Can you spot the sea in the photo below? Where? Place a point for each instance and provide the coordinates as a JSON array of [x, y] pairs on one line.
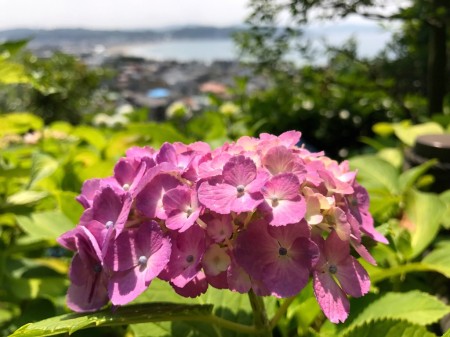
[[371, 39]]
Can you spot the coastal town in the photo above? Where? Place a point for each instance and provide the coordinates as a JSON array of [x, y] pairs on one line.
[[156, 85]]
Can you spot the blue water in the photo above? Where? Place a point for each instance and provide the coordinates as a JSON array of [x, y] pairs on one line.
[[370, 41]]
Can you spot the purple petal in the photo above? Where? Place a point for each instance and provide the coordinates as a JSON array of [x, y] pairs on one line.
[[218, 198], [284, 186], [126, 285], [331, 298], [193, 288], [149, 200], [187, 253], [286, 212], [353, 277], [335, 249], [238, 280], [219, 227], [239, 170], [87, 291], [289, 274], [278, 160]]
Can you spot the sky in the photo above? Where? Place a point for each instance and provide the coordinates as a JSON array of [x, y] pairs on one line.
[[119, 14]]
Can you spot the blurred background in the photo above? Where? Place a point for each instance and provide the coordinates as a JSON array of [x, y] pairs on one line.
[[82, 81]]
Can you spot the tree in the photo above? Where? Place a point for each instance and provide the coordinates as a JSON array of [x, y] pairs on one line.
[[276, 28]]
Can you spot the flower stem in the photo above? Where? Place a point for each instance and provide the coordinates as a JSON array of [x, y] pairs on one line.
[[262, 324], [281, 311], [224, 323]]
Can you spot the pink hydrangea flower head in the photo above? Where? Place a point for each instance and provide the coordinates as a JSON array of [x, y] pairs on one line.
[[258, 214]]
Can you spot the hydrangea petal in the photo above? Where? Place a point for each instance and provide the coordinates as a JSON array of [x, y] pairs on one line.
[[332, 300]]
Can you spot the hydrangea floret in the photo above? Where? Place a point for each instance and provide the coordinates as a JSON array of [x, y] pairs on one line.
[[259, 214]]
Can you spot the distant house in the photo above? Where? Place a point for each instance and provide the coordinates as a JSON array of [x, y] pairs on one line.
[[212, 87]]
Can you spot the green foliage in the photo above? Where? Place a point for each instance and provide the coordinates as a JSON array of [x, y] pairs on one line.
[[56, 88], [414, 307], [138, 313], [389, 328]]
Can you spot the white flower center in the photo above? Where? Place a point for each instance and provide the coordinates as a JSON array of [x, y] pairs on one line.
[[142, 260], [240, 189]]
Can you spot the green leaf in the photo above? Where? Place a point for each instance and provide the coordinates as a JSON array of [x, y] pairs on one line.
[[381, 180], [27, 288], [69, 206], [423, 214], [409, 177], [388, 328], [45, 225], [12, 73], [138, 313], [376, 173], [414, 307], [445, 198], [209, 126], [408, 134], [157, 133], [25, 197], [159, 329], [227, 305], [11, 48], [392, 155], [439, 258], [91, 135], [42, 166], [383, 129], [19, 123]]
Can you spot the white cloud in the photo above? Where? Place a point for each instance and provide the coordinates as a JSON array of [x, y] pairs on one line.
[[120, 14]]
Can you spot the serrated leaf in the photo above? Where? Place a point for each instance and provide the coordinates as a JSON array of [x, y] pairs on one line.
[[25, 197], [414, 307], [45, 225], [42, 166], [423, 214], [138, 313], [389, 328]]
